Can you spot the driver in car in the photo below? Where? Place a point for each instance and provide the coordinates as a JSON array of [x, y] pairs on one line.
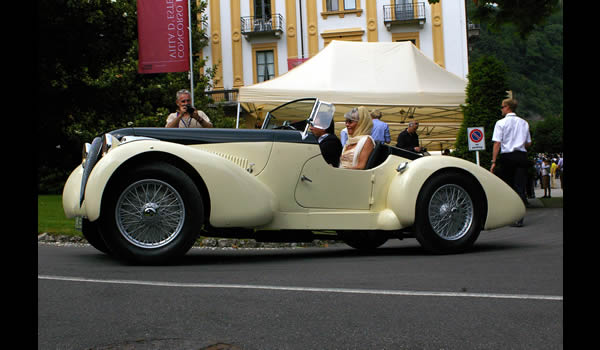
[[331, 147]]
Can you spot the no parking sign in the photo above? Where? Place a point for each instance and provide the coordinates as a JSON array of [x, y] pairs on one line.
[[476, 139]]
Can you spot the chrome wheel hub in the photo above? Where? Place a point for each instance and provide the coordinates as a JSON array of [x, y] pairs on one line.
[[451, 212], [150, 213]]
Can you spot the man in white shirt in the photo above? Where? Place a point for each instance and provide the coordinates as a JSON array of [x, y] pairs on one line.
[[511, 138]]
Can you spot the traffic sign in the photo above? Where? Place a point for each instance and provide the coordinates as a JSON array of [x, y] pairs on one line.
[[476, 139]]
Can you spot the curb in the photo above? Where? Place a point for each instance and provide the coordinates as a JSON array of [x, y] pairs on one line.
[[200, 243]]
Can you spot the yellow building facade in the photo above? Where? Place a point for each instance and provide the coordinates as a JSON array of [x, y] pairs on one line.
[[256, 40]]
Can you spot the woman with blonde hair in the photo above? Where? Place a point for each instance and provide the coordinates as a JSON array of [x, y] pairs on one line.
[[360, 144]]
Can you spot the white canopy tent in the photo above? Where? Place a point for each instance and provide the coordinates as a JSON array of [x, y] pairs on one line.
[[395, 78]]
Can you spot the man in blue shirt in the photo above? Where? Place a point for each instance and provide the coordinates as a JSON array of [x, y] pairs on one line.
[[381, 131]]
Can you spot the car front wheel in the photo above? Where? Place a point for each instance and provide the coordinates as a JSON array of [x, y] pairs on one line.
[[152, 215]]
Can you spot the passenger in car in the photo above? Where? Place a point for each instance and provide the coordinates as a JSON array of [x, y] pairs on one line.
[[331, 147], [360, 144]]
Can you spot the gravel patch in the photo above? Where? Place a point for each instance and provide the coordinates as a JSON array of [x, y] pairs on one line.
[[211, 243]]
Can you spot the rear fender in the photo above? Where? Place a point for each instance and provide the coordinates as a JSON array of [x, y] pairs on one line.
[[503, 204]]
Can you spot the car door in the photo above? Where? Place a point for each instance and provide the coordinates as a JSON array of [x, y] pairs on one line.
[[322, 186]]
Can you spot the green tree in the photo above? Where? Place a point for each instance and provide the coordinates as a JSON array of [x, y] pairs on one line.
[[525, 15], [88, 80], [534, 63], [485, 91], [547, 135]]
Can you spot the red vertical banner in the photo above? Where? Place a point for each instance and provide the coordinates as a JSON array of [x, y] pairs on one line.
[[163, 36]]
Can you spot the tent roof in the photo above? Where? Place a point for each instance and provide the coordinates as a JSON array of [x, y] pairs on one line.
[[395, 78]]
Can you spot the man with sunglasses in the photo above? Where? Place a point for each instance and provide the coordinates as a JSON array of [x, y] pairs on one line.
[[186, 115], [511, 138]]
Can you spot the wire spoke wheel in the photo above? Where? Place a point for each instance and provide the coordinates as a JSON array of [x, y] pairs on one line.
[[451, 212], [150, 213]]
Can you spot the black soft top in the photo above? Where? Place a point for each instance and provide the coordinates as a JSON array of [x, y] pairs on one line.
[[194, 136]]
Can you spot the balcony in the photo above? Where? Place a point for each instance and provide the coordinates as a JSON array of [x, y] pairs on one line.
[[400, 14], [255, 26], [223, 97]]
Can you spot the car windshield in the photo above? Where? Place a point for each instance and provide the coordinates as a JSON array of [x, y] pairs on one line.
[[324, 116], [291, 116]]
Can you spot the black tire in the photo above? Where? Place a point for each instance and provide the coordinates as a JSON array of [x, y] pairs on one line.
[[363, 240], [92, 235], [449, 213], [152, 215]]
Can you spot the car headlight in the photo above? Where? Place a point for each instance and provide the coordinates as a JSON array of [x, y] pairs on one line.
[[85, 152], [107, 143]]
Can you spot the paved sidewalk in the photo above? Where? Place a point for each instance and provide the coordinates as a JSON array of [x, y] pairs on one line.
[[539, 193], [554, 192]]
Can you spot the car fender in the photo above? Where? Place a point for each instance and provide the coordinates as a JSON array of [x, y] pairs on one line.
[[236, 197], [504, 206]]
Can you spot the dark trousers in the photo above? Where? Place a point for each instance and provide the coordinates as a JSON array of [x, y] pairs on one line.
[[513, 170]]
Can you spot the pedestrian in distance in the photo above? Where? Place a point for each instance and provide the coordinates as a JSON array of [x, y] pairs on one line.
[[546, 178], [381, 131]]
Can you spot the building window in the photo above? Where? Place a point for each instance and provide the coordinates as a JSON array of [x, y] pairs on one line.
[[265, 65], [341, 8], [337, 5], [262, 9], [264, 61], [348, 34], [332, 5], [409, 36], [349, 4]]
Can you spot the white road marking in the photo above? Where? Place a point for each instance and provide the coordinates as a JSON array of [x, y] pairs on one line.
[[307, 289]]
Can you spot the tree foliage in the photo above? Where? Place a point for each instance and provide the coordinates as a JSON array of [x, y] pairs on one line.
[[547, 135], [89, 84], [525, 15], [535, 64], [486, 89]]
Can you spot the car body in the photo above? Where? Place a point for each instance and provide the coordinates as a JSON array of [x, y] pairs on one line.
[[146, 194]]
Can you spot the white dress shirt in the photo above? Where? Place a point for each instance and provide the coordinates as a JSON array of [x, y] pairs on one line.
[[512, 132]]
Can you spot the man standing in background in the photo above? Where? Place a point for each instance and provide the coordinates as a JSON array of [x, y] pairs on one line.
[[511, 138]]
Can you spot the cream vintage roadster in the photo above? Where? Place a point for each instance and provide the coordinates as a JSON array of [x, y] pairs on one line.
[[146, 194]]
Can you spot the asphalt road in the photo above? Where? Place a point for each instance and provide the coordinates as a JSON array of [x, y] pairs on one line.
[[505, 294]]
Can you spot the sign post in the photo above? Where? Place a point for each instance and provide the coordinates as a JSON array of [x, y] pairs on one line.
[[476, 139]]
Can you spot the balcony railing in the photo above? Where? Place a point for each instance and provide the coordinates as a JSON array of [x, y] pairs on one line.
[[252, 25], [404, 14], [225, 97]]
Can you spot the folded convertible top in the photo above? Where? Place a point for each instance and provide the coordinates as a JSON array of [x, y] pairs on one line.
[[193, 136]]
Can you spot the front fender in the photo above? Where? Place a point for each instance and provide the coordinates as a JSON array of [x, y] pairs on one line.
[[503, 203], [236, 197]]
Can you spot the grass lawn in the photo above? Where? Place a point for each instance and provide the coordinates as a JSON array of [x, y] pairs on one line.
[[51, 217]]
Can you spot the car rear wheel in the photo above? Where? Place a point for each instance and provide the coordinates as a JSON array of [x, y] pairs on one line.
[[152, 215], [449, 213]]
